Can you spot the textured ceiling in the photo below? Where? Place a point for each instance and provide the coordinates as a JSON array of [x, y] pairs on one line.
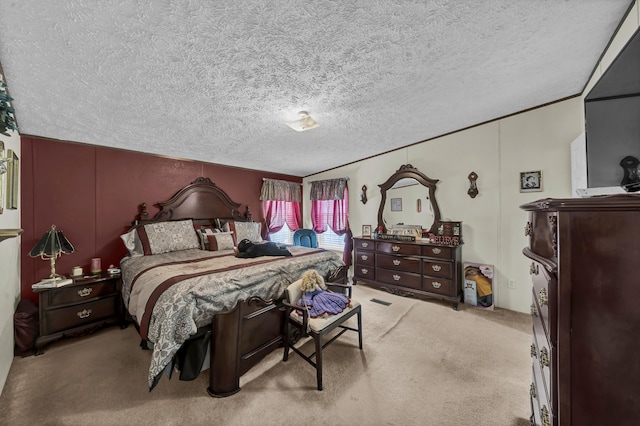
[[216, 80]]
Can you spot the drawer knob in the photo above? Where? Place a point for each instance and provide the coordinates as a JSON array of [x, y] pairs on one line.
[[396, 262], [532, 391], [365, 245], [84, 313], [533, 269], [543, 299], [544, 416], [534, 353], [534, 311], [85, 292], [436, 284], [436, 250], [396, 277], [395, 248], [528, 229], [364, 257], [436, 267], [364, 271], [544, 357]]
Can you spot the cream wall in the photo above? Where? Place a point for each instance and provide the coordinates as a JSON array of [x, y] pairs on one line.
[[9, 273], [493, 224]]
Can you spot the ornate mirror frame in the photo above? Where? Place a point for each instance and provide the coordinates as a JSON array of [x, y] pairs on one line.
[[407, 171]]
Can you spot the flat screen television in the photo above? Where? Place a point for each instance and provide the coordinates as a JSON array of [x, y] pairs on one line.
[[612, 124]]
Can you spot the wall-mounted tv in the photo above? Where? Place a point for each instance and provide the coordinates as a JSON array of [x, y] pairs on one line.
[[612, 119]]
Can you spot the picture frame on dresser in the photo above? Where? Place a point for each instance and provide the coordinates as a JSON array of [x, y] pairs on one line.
[[366, 231]]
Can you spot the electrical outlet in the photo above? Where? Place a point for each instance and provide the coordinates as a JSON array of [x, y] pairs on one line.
[[512, 283]]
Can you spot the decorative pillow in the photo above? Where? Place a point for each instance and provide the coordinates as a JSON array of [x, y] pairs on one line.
[[165, 237], [221, 241], [247, 230], [203, 231], [132, 243]]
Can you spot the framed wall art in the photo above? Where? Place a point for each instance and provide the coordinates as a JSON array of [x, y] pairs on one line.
[[396, 204], [13, 177], [531, 181]]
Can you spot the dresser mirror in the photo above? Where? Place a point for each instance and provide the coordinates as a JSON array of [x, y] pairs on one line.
[[409, 198]]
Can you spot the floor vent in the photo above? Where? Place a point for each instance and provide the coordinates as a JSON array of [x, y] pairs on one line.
[[382, 302]]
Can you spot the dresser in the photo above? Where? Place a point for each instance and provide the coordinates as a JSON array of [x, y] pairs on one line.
[[584, 256], [416, 269], [78, 308]]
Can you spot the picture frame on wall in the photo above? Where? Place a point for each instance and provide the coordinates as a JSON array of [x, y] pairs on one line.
[[531, 181], [13, 177], [366, 230], [396, 204]]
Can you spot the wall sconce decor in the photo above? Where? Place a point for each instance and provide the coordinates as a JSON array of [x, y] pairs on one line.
[[473, 188], [52, 244], [363, 195]]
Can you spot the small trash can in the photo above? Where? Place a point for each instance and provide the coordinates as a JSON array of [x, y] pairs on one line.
[[26, 327]]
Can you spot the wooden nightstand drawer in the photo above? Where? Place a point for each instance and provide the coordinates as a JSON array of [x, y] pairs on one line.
[[80, 293], [61, 319], [79, 308]]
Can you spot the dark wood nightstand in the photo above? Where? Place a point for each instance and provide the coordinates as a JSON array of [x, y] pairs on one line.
[[79, 308]]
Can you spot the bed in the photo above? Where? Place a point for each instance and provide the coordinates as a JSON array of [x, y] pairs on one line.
[[176, 287]]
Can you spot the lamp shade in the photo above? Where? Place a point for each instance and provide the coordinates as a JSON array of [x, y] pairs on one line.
[[52, 244]]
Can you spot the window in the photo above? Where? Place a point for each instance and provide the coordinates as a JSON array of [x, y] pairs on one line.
[[331, 241], [284, 235]]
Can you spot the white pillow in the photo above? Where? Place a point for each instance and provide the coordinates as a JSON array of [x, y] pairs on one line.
[[132, 243]]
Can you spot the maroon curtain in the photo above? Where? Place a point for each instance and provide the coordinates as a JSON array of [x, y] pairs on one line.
[[334, 214], [277, 213]]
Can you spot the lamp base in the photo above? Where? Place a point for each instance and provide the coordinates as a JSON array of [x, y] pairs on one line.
[[58, 281]]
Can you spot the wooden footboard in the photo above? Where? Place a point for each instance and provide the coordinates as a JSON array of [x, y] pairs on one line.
[[240, 339]]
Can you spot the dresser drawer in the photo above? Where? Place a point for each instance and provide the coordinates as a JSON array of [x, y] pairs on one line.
[[437, 285], [364, 271], [80, 293], [540, 340], [407, 264], [398, 248], [437, 269], [365, 258], [545, 298], [364, 244], [61, 319], [438, 252], [399, 278]]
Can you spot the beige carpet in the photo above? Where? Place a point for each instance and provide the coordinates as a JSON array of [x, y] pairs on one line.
[[422, 364]]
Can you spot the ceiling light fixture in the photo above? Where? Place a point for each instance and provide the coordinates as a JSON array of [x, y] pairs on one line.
[[305, 122]]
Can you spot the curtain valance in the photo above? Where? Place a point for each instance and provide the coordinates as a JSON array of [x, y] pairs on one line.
[[330, 189], [280, 190]]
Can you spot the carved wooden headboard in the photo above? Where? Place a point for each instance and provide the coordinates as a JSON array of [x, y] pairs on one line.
[[201, 200]]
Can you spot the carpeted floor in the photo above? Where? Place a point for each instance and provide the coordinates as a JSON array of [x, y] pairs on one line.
[[422, 364]]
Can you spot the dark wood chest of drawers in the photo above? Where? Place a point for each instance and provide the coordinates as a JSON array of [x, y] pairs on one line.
[[584, 257], [78, 308], [416, 269]]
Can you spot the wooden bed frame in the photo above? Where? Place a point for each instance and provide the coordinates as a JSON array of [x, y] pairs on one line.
[[255, 327]]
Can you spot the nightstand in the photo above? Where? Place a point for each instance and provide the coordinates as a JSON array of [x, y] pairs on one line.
[[79, 308]]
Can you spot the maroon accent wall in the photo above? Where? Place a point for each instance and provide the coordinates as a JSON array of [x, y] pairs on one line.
[[92, 193]]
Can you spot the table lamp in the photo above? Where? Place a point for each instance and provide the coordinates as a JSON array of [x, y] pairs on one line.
[[52, 244]]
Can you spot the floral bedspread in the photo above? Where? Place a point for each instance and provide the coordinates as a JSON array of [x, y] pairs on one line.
[[170, 295]]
